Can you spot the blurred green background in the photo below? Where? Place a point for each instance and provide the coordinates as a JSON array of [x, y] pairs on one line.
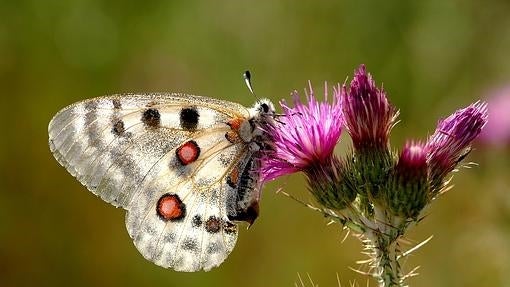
[[432, 57]]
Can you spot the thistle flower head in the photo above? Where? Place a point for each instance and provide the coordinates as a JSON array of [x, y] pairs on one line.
[[451, 141], [369, 118], [305, 136], [304, 140], [368, 114], [407, 190], [412, 160]]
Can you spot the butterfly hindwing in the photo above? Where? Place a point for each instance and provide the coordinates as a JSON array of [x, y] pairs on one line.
[[196, 233], [201, 239]]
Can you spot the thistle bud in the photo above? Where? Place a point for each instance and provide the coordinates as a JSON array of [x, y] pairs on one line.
[[368, 114], [369, 118], [451, 142], [407, 191]]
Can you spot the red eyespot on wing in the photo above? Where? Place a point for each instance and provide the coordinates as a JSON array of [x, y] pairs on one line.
[[170, 207], [188, 152]]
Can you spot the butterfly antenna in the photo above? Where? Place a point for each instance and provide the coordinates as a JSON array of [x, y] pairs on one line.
[[247, 80]]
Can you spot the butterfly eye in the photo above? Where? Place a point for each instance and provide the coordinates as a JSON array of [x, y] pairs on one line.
[[265, 107]]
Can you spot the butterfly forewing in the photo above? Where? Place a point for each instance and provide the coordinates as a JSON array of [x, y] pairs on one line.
[[166, 158], [117, 139]]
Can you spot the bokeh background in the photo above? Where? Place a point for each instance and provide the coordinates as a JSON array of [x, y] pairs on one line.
[[432, 57]]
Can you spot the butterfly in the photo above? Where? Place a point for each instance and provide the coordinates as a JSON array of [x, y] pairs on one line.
[[185, 168]]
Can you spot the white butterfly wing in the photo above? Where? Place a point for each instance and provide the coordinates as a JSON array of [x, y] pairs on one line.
[[105, 143], [203, 237], [137, 151]]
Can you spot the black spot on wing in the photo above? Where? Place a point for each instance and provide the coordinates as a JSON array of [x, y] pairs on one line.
[[197, 221], [189, 244], [93, 129], [151, 117], [118, 128], [116, 104], [229, 227], [189, 118], [213, 224]]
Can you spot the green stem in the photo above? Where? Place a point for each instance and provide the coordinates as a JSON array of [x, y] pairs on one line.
[[388, 271], [385, 248]]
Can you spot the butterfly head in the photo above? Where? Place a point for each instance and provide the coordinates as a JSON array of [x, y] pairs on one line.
[[263, 108], [262, 116]]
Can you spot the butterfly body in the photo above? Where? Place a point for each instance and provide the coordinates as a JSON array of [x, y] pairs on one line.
[[184, 167]]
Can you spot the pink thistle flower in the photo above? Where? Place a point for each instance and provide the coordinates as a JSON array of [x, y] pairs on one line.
[[305, 135], [304, 140], [368, 114], [451, 141]]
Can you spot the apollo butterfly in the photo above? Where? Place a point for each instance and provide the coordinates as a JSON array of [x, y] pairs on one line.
[[185, 168]]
